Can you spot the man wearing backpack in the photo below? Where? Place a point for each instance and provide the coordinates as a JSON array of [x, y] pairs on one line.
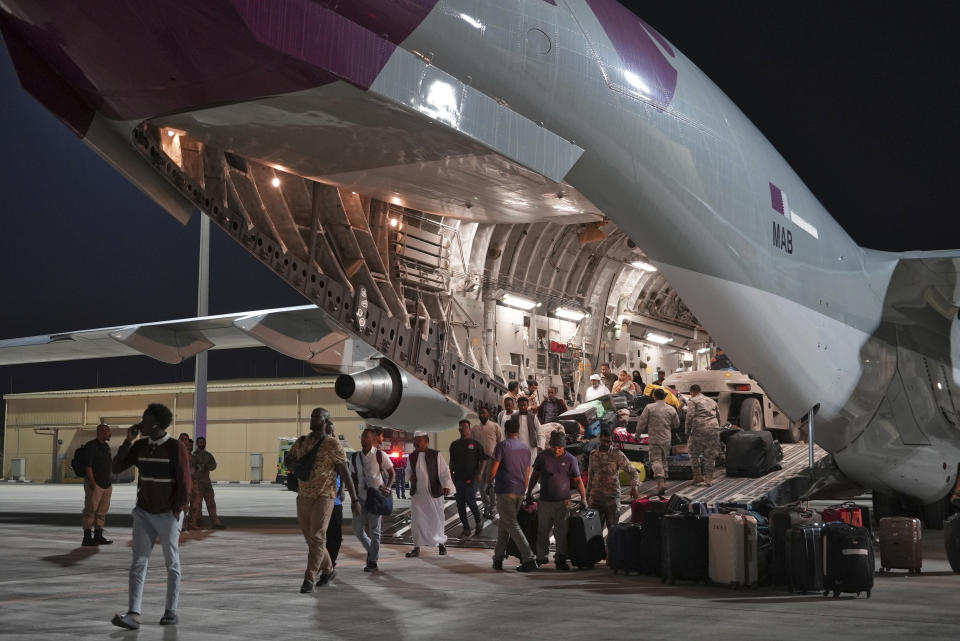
[[318, 459], [92, 462], [369, 465]]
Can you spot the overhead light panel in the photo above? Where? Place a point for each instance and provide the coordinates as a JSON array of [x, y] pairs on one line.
[[703, 350], [659, 339], [643, 265], [519, 302], [275, 182], [569, 314]]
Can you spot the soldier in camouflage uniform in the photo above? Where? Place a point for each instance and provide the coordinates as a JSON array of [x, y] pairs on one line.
[[703, 426], [603, 478], [657, 421]]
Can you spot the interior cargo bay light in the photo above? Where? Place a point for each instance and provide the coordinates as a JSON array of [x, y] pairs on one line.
[[660, 339], [569, 314], [519, 302]]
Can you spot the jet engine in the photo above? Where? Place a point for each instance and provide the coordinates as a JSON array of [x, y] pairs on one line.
[[388, 396]]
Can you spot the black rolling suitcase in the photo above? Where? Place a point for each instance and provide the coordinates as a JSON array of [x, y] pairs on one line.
[[585, 545], [684, 547], [782, 519], [527, 518], [624, 543], [951, 541], [803, 550], [751, 454], [848, 560], [583, 415], [650, 549]]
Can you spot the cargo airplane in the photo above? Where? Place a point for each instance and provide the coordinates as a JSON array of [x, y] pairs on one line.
[[411, 166]]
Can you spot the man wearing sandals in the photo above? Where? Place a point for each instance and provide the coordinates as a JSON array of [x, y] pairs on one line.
[[163, 492]]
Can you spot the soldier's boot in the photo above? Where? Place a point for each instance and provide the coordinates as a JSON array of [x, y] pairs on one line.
[[697, 477], [708, 479], [661, 486], [88, 539]]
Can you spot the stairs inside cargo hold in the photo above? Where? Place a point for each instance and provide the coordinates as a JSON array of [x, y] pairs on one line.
[[782, 486]]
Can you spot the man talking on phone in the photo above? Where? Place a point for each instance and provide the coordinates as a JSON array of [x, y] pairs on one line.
[[163, 493]]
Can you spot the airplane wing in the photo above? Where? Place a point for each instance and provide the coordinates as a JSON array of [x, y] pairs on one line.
[[299, 332]]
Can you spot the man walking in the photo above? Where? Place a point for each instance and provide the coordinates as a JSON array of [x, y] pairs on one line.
[[703, 425], [317, 494], [466, 465], [369, 466], [430, 482], [201, 464], [488, 434], [509, 408], [529, 428], [95, 460], [551, 407], [603, 480], [510, 471], [657, 421], [163, 491], [400, 469], [553, 469]]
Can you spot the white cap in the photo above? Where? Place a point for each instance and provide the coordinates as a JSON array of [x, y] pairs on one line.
[[420, 433], [594, 377]]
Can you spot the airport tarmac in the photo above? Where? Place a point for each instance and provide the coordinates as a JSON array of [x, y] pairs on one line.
[[243, 583]]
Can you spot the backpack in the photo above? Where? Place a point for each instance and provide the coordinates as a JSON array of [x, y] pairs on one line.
[[77, 463]]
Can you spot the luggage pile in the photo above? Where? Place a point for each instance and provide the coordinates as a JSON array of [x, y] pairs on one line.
[[742, 545]]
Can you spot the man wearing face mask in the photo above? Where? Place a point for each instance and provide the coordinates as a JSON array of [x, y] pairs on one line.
[[201, 464], [163, 491], [603, 481]]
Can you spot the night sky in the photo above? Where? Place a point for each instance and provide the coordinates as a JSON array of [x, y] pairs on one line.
[[860, 98]]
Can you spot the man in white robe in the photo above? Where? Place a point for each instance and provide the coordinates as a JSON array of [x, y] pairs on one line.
[[430, 483], [529, 428]]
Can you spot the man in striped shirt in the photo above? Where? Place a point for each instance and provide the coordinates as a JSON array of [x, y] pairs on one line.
[[163, 493]]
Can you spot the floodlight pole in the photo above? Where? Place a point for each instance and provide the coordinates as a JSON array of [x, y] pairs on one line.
[[203, 309]]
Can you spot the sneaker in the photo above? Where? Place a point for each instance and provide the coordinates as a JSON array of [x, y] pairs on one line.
[[562, 566], [498, 564], [412, 554], [443, 549], [169, 618], [478, 531], [465, 534], [527, 566], [370, 567], [540, 562], [306, 587], [130, 620]]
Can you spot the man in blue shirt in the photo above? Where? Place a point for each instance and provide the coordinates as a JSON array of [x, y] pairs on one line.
[[553, 469], [335, 527], [510, 469]]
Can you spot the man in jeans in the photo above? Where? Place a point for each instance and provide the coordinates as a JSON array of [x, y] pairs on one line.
[[511, 468], [553, 469], [488, 434], [317, 494], [466, 464], [163, 492], [369, 466], [97, 486]]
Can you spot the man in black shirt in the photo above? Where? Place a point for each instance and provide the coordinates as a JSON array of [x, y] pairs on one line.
[[466, 460], [97, 487]]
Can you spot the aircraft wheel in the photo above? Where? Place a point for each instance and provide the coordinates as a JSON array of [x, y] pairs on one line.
[[751, 415]]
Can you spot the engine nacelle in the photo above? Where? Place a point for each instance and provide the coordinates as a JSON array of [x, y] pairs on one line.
[[389, 396]]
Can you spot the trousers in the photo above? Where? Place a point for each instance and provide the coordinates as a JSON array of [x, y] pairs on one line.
[[467, 497], [96, 504], [367, 529], [552, 515], [147, 528], [313, 515], [508, 528]]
